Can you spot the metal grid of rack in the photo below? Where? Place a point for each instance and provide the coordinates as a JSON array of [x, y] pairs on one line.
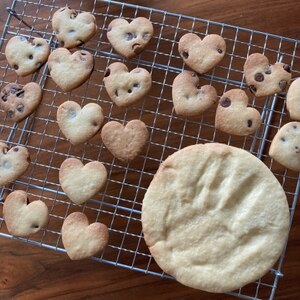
[[119, 205]]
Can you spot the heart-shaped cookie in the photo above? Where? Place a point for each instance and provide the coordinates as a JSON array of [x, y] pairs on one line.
[[68, 70], [72, 28], [233, 116], [82, 240], [293, 100], [129, 39], [21, 217], [13, 162], [19, 102], [189, 97], [26, 57], [285, 147], [265, 79], [81, 182], [79, 124], [201, 55], [124, 87], [125, 143]]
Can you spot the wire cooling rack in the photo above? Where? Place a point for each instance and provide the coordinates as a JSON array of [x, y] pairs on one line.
[[119, 205]]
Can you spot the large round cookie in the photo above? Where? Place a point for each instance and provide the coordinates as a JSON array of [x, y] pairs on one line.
[[215, 217]]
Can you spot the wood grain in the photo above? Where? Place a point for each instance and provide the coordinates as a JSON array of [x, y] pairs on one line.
[[31, 272]]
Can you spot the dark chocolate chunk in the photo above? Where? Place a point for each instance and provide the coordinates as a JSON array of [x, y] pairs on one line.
[[73, 15], [283, 139], [16, 149], [4, 98], [259, 77], [129, 91], [185, 54], [116, 93], [16, 67], [249, 123], [71, 30], [30, 56], [225, 102], [4, 151], [136, 85], [220, 50], [129, 36], [20, 93], [287, 68], [20, 108]]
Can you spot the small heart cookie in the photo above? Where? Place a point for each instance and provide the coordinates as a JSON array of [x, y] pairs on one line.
[[124, 87], [293, 100], [72, 28], [189, 97], [21, 217], [79, 124], [82, 240], [265, 79], [68, 70], [19, 102], [285, 147], [234, 117], [201, 55], [81, 182], [26, 57], [129, 39], [125, 143], [13, 162]]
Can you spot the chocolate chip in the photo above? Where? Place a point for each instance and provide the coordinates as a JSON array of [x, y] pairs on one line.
[[4, 151], [282, 84], [71, 30], [35, 226], [128, 36], [252, 89], [287, 68], [73, 15], [136, 85], [295, 126], [16, 67], [220, 51], [16, 149], [129, 91], [14, 88], [249, 123], [185, 54], [30, 56], [283, 139], [259, 77], [20, 108], [38, 45], [62, 43], [146, 36], [10, 113], [4, 98], [116, 93], [94, 123], [107, 73], [225, 102], [20, 93]]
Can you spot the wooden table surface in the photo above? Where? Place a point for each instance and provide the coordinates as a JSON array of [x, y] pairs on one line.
[[31, 272]]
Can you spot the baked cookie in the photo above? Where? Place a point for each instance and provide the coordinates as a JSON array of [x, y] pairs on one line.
[[129, 39], [78, 124], [70, 70], [19, 102], [81, 182], [293, 100], [215, 217], [285, 147], [189, 97], [233, 115], [26, 57], [22, 217], [201, 55], [125, 143], [265, 79], [125, 87], [82, 240], [73, 29], [13, 162]]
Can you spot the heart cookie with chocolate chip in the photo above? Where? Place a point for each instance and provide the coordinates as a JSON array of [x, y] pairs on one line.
[[201, 55], [125, 143], [13, 162], [129, 39], [21, 217], [70, 70], [234, 117], [26, 57], [189, 97], [125, 87], [81, 182], [285, 147], [265, 79], [81, 239], [79, 124], [19, 102], [72, 28]]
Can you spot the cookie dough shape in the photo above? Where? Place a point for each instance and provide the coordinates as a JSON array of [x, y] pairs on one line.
[[26, 57], [201, 55], [293, 100], [19, 102], [22, 217], [189, 97], [125, 143], [81, 182], [129, 39], [13, 162], [73, 29], [70, 70], [265, 79], [215, 217], [124, 87], [79, 124], [234, 117], [81, 239], [285, 147]]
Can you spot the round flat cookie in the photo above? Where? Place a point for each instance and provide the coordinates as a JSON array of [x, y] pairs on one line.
[[215, 217]]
